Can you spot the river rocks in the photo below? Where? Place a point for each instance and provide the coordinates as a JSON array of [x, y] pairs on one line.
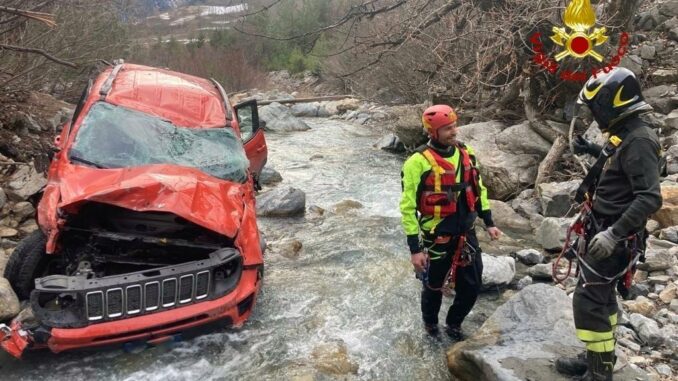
[[6, 232], [633, 63], [497, 271], [669, 293], [287, 247], [664, 76], [671, 121], [524, 282], [310, 109], [25, 182], [656, 259], [23, 210], [520, 340], [648, 52], [647, 329], [345, 206], [522, 139], [669, 8], [3, 198], [390, 143], [551, 233], [669, 234], [526, 204], [641, 305], [557, 198], [668, 214], [278, 118], [269, 176], [333, 358], [507, 219], [9, 303], [281, 202], [529, 256], [505, 173], [542, 271]]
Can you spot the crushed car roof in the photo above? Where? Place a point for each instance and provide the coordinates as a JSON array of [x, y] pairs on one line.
[[182, 99]]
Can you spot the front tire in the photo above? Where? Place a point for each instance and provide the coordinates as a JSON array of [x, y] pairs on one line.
[[26, 263]]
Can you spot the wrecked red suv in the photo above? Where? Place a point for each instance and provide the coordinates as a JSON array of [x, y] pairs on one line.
[[148, 226]]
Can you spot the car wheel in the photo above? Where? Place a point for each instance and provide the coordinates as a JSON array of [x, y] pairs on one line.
[[26, 261]]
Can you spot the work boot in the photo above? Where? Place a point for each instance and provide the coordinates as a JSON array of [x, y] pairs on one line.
[[572, 366], [600, 366], [432, 329], [454, 333]]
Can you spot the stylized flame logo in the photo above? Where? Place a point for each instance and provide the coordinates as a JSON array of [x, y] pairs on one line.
[[579, 17]]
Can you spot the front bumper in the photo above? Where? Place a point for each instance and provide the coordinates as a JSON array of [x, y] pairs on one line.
[[232, 309]]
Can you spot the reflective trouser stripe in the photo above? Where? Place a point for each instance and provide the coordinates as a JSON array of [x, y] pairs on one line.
[[601, 346], [592, 336], [613, 321]]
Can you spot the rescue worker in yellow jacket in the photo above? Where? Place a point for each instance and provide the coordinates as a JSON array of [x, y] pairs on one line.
[[442, 196]]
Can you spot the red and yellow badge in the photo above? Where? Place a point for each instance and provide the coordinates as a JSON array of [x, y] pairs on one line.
[[577, 41], [580, 17]]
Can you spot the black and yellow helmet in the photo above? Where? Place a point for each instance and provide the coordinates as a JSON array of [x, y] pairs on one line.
[[613, 97]]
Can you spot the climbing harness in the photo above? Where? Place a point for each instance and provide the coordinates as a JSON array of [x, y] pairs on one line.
[[463, 256]]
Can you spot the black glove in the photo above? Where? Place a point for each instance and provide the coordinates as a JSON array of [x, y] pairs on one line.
[[582, 146]]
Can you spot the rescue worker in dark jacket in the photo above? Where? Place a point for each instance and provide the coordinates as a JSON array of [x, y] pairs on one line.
[[442, 196], [623, 195]]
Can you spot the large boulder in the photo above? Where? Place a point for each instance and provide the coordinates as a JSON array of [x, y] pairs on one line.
[[408, 127], [669, 8], [668, 214], [505, 170], [552, 232], [526, 204], [279, 118], [508, 219], [281, 202], [521, 138], [497, 270], [24, 183], [390, 143], [305, 109], [269, 176], [520, 340], [557, 198]]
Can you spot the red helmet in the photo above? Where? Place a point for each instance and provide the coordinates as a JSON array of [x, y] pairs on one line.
[[437, 116]]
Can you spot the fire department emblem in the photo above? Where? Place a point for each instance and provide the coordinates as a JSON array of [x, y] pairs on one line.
[[579, 17]]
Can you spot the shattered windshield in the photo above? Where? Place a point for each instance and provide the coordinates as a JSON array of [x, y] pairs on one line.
[[116, 137]]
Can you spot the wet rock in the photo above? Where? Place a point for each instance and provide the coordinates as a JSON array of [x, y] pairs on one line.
[[269, 176], [287, 247], [668, 214], [281, 202], [279, 118], [24, 183], [641, 305], [505, 173], [9, 303], [647, 329], [530, 256], [633, 63], [497, 270], [333, 358], [542, 271], [507, 219], [346, 205], [390, 143], [520, 340], [664, 76], [315, 212], [557, 198], [524, 282], [551, 233], [23, 210]]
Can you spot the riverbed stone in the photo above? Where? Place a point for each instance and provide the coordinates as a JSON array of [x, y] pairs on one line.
[[530, 256], [497, 270], [281, 202], [279, 118], [557, 198], [269, 176], [9, 303], [542, 271], [552, 232], [507, 219], [647, 329]]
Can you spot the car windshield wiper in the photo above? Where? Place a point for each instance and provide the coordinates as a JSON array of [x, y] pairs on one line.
[[84, 161]]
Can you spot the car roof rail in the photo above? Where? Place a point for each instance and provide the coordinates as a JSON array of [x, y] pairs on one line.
[[106, 87], [229, 113]]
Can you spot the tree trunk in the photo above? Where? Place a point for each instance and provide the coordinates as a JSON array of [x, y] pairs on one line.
[[549, 163]]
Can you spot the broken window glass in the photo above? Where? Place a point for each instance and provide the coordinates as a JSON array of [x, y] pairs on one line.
[[116, 137]]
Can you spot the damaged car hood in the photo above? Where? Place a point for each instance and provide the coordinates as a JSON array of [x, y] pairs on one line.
[[187, 192]]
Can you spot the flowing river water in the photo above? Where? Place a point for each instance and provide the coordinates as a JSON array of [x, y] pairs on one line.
[[346, 308]]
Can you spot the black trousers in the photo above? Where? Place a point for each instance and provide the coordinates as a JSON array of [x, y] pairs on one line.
[[468, 280], [594, 301]]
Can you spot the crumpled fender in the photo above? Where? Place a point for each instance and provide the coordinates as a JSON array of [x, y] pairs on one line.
[[13, 339]]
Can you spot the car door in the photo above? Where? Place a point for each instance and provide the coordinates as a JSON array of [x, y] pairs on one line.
[[252, 134]]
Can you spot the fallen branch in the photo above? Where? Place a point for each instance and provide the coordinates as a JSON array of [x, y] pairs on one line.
[[38, 51], [552, 158], [307, 100], [45, 18]]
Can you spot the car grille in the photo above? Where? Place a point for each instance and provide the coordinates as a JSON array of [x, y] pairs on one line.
[[139, 293]]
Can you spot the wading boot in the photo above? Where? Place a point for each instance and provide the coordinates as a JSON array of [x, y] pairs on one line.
[[454, 333], [572, 366], [601, 366], [432, 329]]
